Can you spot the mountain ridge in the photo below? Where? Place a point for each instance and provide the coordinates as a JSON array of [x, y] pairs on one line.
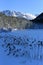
[[19, 14]]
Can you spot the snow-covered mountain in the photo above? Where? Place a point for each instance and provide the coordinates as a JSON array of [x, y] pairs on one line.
[[19, 14]]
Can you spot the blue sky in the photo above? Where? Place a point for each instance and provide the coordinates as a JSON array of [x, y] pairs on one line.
[[29, 6]]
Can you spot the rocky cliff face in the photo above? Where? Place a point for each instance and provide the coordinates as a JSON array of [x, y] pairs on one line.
[[14, 22]]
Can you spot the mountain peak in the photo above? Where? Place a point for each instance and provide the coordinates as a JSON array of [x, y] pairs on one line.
[[19, 14]]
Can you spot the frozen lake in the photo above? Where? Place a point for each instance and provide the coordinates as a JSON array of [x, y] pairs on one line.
[[21, 47]]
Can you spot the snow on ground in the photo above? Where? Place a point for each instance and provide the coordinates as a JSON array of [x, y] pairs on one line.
[[21, 47]]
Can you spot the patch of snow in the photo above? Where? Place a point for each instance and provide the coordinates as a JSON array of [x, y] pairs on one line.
[[32, 37]]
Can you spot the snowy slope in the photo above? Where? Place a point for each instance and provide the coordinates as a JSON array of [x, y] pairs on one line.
[[19, 14], [27, 46]]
